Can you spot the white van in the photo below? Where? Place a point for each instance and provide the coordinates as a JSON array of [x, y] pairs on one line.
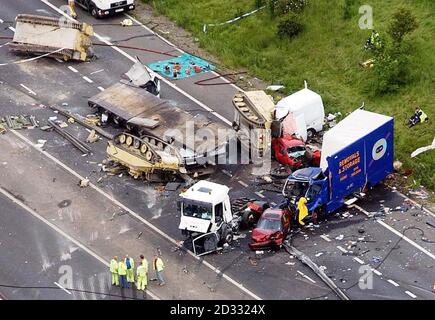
[[305, 105], [104, 8]]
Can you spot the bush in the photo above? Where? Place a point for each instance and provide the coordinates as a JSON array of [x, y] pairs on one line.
[[281, 7], [403, 22], [259, 3], [289, 28], [391, 71]]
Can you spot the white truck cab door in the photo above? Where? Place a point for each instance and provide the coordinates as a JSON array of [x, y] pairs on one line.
[[228, 215]]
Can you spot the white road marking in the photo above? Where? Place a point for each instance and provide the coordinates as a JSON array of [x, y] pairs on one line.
[[62, 288], [305, 276], [54, 227], [325, 237], [409, 293], [101, 88], [73, 69], [273, 203], [393, 282], [87, 79], [1, 21], [260, 194], [358, 260], [172, 85], [12, 28], [98, 71], [242, 183], [28, 89], [377, 272], [341, 249], [137, 216], [401, 235]]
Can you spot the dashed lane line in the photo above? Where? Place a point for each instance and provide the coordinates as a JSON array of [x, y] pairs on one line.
[[325, 237], [376, 272], [101, 88], [1, 20], [138, 217], [409, 293], [57, 229], [87, 79], [341, 249], [393, 282], [28, 89], [358, 260], [258, 193], [305, 276], [73, 69], [12, 29], [57, 284]]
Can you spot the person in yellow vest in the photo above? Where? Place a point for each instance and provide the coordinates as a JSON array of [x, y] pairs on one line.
[[114, 271], [72, 9], [303, 210], [158, 266], [142, 279], [129, 263], [122, 271]]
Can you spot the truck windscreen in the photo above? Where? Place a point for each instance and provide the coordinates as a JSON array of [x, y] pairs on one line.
[[196, 209]]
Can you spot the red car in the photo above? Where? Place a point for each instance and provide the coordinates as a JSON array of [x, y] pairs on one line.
[[272, 229], [293, 152]]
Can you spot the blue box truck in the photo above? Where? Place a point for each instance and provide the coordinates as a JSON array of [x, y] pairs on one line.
[[357, 154]]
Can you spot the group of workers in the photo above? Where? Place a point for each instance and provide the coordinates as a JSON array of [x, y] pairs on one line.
[[123, 272], [374, 42]]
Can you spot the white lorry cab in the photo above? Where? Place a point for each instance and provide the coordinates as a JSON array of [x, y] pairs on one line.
[[205, 210], [306, 106], [105, 8]]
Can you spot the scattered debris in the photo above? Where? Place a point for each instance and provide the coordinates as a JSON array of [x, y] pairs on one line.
[[319, 254], [41, 143], [290, 263], [275, 87], [253, 261], [397, 165], [423, 149], [2, 128], [93, 119], [126, 23], [63, 124], [93, 137], [71, 120], [84, 183], [19, 122], [46, 128], [420, 194], [340, 237], [431, 222]]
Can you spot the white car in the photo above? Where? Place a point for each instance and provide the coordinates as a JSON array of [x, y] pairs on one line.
[[105, 8]]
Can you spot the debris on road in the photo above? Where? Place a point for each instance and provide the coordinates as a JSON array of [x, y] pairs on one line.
[[41, 143], [340, 237], [92, 137], [2, 128], [84, 183], [18, 122], [74, 141]]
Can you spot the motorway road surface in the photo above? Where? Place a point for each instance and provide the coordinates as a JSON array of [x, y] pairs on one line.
[[407, 272]]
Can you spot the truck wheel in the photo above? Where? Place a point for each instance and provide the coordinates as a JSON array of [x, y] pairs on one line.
[[311, 133], [227, 235]]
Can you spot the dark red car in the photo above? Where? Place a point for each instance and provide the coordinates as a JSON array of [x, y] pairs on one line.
[[272, 229]]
